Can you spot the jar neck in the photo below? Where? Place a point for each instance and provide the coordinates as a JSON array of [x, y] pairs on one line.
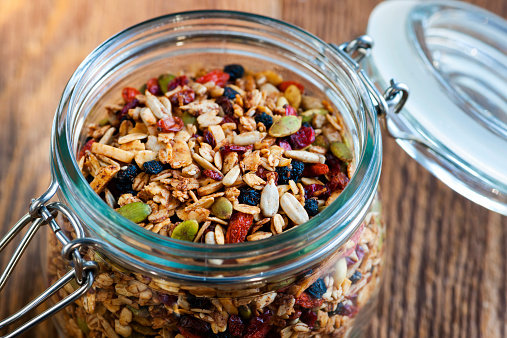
[[275, 44]]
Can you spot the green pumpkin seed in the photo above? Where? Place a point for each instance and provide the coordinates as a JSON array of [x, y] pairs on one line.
[[186, 231], [163, 82], [143, 88], [321, 141], [136, 212], [285, 126], [244, 312], [81, 323], [341, 151], [141, 312], [222, 208], [189, 118]]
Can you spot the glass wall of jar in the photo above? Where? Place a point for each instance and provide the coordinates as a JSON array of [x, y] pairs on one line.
[[312, 280]]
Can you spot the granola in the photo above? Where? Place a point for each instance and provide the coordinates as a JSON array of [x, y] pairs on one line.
[[220, 157]]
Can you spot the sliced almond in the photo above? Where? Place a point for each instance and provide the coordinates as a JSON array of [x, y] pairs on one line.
[[113, 152]]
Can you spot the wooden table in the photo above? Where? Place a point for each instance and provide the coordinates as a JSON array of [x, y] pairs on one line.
[[446, 272]]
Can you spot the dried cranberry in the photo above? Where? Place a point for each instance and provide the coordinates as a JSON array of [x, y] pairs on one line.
[[182, 97], [219, 77], [153, 87], [302, 138], [230, 119], [258, 332], [130, 105], [236, 325], [316, 169], [177, 81], [285, 84], [209, 138], [129, 93], [166, 299], [87, 146], [226, 105], [188, 333], [232, 148], [311, 188], [194, 323], [306, 301], [289, 110], [309, 318], [338, 182], [259, 326], [349, 261], [262, 173], [213, 175], [284, 144], [296, 314]]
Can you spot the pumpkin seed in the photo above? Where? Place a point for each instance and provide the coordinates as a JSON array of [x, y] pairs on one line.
[[188, 118], [321, 141], [164, 80], [222, 208], [136, 212], [341, 151], [186, 230], [285, 126]]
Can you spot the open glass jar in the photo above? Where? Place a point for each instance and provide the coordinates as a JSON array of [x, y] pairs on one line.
[[317, 279]]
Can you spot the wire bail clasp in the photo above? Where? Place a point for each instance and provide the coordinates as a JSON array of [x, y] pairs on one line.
[[82, 271]]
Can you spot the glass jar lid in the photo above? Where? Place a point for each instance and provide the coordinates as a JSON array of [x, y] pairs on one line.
[[453, 57]]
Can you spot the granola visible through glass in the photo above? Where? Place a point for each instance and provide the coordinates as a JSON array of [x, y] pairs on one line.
[[217, 157]]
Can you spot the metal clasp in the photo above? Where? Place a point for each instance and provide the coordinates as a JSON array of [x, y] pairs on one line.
[[394, 97], [82, 271]]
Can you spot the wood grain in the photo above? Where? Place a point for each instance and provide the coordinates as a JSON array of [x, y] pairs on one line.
[[446, 269]]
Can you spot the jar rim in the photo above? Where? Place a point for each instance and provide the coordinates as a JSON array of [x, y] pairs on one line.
[[142, 248]]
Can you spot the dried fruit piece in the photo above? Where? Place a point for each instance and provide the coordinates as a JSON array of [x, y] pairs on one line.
[[308, 302], [285, 84], [230, 93], [317, 289], [285, 126], [235, 71], [316, 169], [340, 150], [209, 138], [136, 212], [236, 325], [249, 196], [88, 146], [289, 110], [312, 206], [153, 87], [222, 208], [239, 226], [296, 170], [170, 124], [283, 175], [130, 105], [302, 138], [152, 167], [182, 97], [309, 318], [219, 77], [215, 175], [338, 181], [356, 276], [129, 94], [186, 230], [266, 120]]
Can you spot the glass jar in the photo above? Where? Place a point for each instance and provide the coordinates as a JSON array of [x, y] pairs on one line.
[[316, 280]]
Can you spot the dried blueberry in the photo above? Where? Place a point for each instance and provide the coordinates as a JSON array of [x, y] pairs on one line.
[[317, 289], [249, 196], [128, 174], [355, 277], [297, 168], [152, 167], [311, 206], [265, 119], [283, 175], [118, 187], [343, 309], [235, 71], [230, 93], [197, 302]]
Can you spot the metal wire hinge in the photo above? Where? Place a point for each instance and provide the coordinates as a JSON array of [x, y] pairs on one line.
[[82, 271]]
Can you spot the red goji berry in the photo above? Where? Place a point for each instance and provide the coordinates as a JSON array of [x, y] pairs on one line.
[[285, 84], [182, 97], [219, 77], [289, 110], [316, 169], [87, 146], [169, 124], [239, 226], [129, 94], [153, 87], [213, 175], [308, 302]]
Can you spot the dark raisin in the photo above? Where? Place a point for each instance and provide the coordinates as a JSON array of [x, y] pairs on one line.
[[153, 167], [128, 174], [197, 302], [355, 277], [226, 105], [166, 299], [209, 138], [311, 207], [283, 175], [194, 324], [130, 105], [297, 168], [317, 289], [230, 93], [236, 325], [249, 196], [235, 71], [265, 119]]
